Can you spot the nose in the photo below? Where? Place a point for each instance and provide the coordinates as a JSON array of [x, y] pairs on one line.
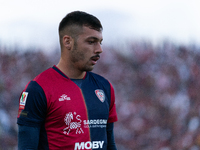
[[98, 49]]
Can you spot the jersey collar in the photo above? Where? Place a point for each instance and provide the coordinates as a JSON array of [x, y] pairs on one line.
[[61, 73]]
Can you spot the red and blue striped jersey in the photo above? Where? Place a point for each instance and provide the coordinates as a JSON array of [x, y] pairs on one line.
[[70, 117]]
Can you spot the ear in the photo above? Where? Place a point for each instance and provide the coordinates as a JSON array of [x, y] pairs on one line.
[[67, 42]]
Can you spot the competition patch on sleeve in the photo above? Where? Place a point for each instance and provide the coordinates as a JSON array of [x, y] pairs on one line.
[[23, 98], [22, 103]]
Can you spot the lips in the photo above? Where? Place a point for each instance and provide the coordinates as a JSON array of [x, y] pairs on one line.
[[95, 58]]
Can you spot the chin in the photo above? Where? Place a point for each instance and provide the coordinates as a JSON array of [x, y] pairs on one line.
[[89, 68]]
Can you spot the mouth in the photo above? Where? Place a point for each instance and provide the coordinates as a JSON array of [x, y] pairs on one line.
[[95, 59]]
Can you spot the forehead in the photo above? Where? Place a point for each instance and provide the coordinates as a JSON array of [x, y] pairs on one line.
[[89, 33]]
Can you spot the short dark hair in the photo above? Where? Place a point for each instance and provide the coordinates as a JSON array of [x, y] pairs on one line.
[[73, 22], [80, 18]]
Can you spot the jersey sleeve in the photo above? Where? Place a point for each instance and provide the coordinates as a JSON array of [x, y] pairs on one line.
[[28, 137], [112, 108], [110, 136], [32, 106]]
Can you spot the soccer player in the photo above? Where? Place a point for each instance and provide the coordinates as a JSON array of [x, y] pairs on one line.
[[68, 107]]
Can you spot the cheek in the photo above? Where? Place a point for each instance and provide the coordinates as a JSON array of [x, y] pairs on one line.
[[77, 56], [81, 56], [83, 53]]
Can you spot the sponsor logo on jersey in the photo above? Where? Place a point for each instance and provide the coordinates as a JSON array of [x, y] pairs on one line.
[[89, 145], [100, 94], [95, 123], [64, 97], [73, 122], [23, 98]]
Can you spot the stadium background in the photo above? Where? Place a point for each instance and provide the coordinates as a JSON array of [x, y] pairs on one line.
[[156, 84]]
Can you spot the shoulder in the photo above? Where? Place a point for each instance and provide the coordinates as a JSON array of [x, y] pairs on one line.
[[48, 78], [44, 75], [100, 80], [97, 77]]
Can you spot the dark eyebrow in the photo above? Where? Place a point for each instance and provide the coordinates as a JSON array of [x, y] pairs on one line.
[[95, 38]]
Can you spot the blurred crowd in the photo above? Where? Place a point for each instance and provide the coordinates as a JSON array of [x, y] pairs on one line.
[[156, 89]]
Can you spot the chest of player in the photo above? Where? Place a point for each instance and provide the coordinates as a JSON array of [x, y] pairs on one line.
[[80, 104]]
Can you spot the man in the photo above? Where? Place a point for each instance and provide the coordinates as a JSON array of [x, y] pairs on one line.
[[67, 107]]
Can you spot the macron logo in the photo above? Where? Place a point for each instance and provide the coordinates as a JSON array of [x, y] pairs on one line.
[[64, 97], [89, 145]]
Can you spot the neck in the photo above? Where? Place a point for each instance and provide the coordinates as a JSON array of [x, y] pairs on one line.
[[70, 71]]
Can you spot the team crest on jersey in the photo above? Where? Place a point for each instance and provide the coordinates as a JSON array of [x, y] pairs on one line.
[[100, 94], [73, 122], [23, 98]]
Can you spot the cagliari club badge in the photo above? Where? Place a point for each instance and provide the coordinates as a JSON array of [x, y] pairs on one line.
[[100, 94]]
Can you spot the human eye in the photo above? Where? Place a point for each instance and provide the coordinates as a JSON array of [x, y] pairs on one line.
[[94, 41], [91, 41]]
